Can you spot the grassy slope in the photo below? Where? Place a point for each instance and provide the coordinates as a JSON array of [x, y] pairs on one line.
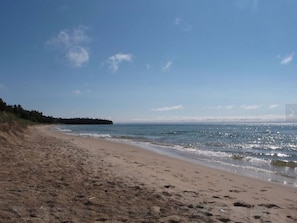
[[12, 128], [6, 117]]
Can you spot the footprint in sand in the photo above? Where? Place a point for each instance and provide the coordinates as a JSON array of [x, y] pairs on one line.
[[169, 186], [242, 204], [237, 191], [269, 206], [227, 196]]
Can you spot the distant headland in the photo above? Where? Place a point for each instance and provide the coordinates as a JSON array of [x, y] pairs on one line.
[[13, 112], [85, 121]]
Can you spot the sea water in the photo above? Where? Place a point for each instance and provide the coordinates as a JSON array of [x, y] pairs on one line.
[[265, 151]]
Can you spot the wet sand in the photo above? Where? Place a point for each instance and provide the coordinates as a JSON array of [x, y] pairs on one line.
[[47, 176]]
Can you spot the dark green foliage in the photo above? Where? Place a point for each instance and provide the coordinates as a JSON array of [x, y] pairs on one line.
[[2, 105], [38, 117], [82, 121]]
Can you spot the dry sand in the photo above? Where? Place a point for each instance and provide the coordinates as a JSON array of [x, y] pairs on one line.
[[47, 176]]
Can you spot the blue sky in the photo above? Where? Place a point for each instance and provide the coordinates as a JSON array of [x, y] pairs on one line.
[[151, 60]]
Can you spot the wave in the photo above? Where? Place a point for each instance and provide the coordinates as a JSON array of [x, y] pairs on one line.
[[219, 155], [62, 130], [267, 152], [277, 154], [94, 135], [234, 166]]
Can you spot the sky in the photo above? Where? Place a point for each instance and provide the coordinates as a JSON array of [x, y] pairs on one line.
[[150, 60]]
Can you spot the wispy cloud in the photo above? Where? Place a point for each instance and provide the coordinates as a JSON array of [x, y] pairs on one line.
[[251, 107], [273, 106], [77, 92], [287, 59], [229, 107], [178, 21], [115, 60], [78, 55], [218, 107], [170, 108], [63, 8], [73, 43], [167, 65]]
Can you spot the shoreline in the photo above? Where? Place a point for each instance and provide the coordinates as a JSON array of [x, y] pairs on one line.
[[179, 168], [79, 179], [260, 164], [263, 175]]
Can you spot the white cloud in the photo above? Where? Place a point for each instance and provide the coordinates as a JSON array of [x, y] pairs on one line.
[[218, 107], [286, 60], [68, 38], [177, 21], [77, 92], [182, 24], [78, 55], [167, 65], [73, 44], [251, 107], [229, 107], [273, 106], [170, 108], [115, 60]]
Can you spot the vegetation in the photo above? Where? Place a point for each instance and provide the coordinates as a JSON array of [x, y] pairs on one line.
[[82, 121], [237, 157], [10, 113], [282, 163]]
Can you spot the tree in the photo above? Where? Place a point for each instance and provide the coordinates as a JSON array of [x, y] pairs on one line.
[[38, 117], [2, 105]]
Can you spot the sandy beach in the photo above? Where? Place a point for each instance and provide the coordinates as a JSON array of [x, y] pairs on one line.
[[47, 176]]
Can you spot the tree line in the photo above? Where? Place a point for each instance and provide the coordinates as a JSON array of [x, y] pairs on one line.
[[38, 117]]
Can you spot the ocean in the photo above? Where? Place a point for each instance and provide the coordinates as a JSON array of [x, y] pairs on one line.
[[264, 151]]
